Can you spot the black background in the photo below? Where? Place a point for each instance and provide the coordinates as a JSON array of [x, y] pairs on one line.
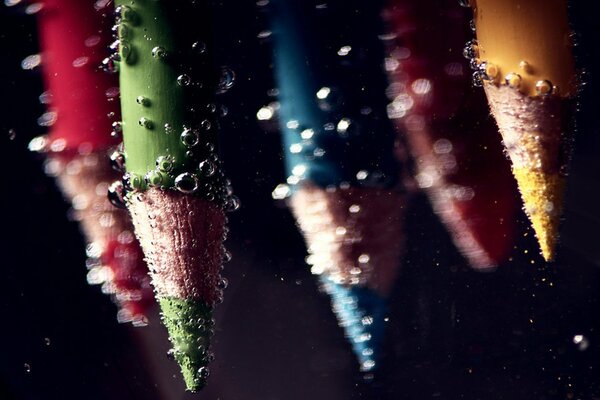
[[453, 333]]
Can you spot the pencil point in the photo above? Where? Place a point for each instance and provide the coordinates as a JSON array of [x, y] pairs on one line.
[[542, 198], [190, 325], [361, 313]]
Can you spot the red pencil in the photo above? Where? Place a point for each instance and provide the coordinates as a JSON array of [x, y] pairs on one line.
[[74, 37], [459, 162]]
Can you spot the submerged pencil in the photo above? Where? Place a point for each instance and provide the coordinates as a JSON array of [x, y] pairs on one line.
[[344, 182], [524, 60], [174, 185], [73, 37], [447, 128]]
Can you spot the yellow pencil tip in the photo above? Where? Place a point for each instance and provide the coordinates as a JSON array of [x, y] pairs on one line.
[[542, 195]]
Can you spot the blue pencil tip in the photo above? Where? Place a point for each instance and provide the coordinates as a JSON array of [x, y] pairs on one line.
[[361, 312]]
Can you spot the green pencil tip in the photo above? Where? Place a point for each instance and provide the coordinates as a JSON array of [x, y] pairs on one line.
[[190, 326]]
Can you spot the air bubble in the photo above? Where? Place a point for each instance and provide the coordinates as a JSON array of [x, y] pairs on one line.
[[164, 163], [143, 101], [38, 144], [45, 97], [281, 192], [190, 137], [265, 113], [490, 71], [223, 110], [344, 51], [581, 342], [543, 87], [226, 80], [134, 181], [112, 93], [116, 194], [362, 175], [31, 62], [207, 168], [186, 183], [122, 31], [471, 50], [524, 65], [80, 62], [477, 79], [343, 126], [159, 53], [184, 80], [109, 65], [124, 51], [206, 125], [264, 34], [199, 47], [125, 13], [47, 119], [513, 80], [233, 204], [203, 373], [155, 178], [222, 284], [117, 161], [146, 123]]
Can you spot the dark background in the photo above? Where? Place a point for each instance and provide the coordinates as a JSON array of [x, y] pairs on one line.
[[453, 333]]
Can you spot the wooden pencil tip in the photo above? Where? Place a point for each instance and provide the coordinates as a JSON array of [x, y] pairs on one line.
[[354, 236], [536, 132], [182, 238]]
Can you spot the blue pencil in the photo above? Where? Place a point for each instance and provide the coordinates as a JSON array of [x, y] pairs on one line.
[[344, 180]]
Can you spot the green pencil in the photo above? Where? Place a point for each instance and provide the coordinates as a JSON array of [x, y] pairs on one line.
[[173, 184]]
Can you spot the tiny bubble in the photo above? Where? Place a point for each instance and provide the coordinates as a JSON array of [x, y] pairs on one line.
[[199, 47], [183, 80]]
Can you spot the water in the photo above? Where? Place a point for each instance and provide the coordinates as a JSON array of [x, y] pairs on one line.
[[526, 330]]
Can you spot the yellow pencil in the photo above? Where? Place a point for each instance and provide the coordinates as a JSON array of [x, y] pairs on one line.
[[523, 57]]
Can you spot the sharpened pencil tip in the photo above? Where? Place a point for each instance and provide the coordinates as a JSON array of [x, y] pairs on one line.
[[542, 197]]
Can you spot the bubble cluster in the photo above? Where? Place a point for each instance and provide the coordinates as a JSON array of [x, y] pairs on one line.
[[485, 71]]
